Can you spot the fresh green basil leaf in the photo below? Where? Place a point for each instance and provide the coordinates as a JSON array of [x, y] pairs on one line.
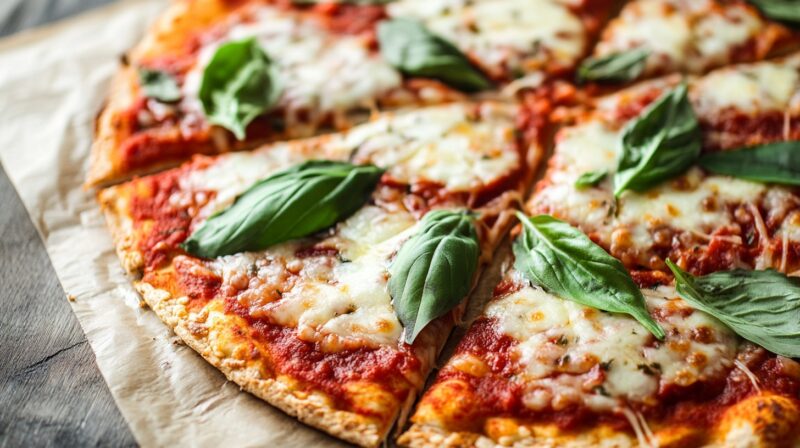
[[239, 84], [615, 67], [293, 203], [661, 143], [159, 85], [590, 179], [433, 270], [783, 10], [564, 261], [408, 46], [777, 163], [760, 306]]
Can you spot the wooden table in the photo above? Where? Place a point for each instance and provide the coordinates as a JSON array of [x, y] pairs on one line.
[[51, 393]]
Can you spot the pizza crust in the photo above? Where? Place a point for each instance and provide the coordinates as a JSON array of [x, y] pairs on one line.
[[761, 420], [311, 409], [111, 129]]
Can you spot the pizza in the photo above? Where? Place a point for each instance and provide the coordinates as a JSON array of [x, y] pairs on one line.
[[708, 222], [329, 66], [656, 37], [544, 365], [308, 324], [538, 370], [308, 193]]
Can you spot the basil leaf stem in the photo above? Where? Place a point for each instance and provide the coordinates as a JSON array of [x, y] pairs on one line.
[[661, 143], [760, 306], [408, 46], [433, 270], [564, 261], [291, 204], [239, 84]]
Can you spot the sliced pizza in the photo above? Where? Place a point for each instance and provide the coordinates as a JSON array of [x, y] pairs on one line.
[[218, 75], [545, 368], [307, 286], [647, 175], [656, 37]]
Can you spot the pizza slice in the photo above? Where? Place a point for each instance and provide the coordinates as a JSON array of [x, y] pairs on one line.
[[217, 75], [307, 286], [549, 364], [656, 37], [647, 195]]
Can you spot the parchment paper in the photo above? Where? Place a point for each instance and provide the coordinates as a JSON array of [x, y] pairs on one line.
[[52, 83]]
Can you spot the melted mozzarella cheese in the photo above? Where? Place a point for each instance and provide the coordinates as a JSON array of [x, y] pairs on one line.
[[749, 88], [683, 35], [335, 301], [341, 301], [698, 208], [443, 145], [652, 25], [506, 33], [693, 203], [319, 72], [561, 344]]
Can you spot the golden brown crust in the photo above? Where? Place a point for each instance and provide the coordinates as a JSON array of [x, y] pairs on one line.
[[111, 129], [170, 35], [762, 420], [174, 30], [311, 408], [114, 204]]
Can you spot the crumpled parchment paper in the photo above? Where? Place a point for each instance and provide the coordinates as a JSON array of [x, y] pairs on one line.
[[53, 81]]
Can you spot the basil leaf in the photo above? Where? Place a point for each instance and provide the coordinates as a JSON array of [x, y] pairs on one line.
[[784, 10], [661, 143], [159, 85], [433, 270], [590, 179], [291, 204], [777, 163], [564, 261], [239, 84], [411, 48], [615, 67], [760, 306]]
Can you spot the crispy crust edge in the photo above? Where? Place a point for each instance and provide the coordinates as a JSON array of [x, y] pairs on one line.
[[312, 410], [764, 419], [108, 134]]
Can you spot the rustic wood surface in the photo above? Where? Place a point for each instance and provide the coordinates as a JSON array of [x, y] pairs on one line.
[[51, 393]]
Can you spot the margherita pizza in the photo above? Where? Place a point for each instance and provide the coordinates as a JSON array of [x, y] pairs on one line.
[[220, 75], [656, 37], [652, 297], [708, 222], [575, 350], [537, 370], [308, 323]]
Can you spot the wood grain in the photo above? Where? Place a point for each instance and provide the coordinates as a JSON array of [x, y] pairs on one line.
[[51, 393]]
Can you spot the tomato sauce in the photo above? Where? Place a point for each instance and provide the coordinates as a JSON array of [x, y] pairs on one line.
[[329, 371], [499, 392]]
